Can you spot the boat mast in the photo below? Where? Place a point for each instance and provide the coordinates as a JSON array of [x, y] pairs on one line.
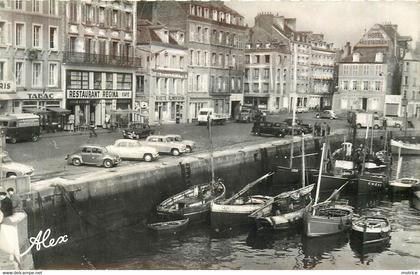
[[318, 185], [371, 137], [211, 152], [365, 147], [303, 160], [293, 131], [397, 176]]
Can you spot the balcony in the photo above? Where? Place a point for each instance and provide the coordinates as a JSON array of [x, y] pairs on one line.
[[100, 59]]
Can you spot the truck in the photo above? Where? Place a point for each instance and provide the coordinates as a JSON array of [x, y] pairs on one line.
[[216, 118], [19, 127], [363, 120]]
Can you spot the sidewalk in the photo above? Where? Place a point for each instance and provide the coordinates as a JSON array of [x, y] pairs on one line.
[[98, 131]]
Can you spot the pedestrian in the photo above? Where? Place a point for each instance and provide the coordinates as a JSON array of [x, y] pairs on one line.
[[316, 129], [71, 122], [323, 129], [328, 129], [16, 202], [6, 204], [264, 116], [107, 121], [92, 130]]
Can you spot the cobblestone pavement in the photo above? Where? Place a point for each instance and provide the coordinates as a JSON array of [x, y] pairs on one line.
[[47, 155]]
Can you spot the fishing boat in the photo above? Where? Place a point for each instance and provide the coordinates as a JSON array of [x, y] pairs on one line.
[[234, 211], [194, 203], [328, 217], [168, 227], [285, 211], [402, 185], [370, 229], [408, 147]]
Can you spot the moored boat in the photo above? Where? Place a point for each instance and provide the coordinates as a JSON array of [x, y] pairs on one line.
[[403, 185], [168, 227], [370, 229], [406, 147], [285, 211]]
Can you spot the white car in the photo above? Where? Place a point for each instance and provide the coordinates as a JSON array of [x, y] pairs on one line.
[[188, 143], [9, 168], [302, 109], [133, 149], [165, 145], [394, 122]]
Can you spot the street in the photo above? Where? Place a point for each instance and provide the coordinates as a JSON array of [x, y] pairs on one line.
[[47, 155]]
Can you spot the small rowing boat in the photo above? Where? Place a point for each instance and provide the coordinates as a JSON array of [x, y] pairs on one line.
[[168, 227], [371, 229]]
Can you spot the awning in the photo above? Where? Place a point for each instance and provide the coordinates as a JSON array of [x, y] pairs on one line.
[[126, 112], [35, 111], [58, 110]]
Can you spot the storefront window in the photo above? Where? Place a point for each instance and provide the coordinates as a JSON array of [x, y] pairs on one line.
[[97, 81], [77, 80], [109, 81], [124, 82]]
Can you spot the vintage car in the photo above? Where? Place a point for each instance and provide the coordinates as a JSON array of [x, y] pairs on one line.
[[270, 128], [137, 131], [9, 168], [188, 143], [328, 114], [299, 126], [302, 109], [93, 155], [133, 149], [165, 144]]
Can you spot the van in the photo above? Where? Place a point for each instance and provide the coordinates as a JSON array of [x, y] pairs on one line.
[[20, 127], [364, 120]]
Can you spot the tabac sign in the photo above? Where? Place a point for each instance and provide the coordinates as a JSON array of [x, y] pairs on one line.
[[98, 94], [7, 86]]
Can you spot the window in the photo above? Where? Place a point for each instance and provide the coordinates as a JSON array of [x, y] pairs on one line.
[[115, 18], [365, 85], [377, 85], [181, 62], [247, 59], [20, 35], [72, 43], [266, 73], [354, 85], [345, 85], [37, 36], [233, 60], [53, 74], [265, 87], [101, 15], [73, 11], [109, 81], [220, 59], [19, 73], [257, 58], [2, 70], [267, 59], [3, 33], [255, 88], [124, 81], [77, 80], [256, 73], [53, 38], [246, 73], [36, 5], [405, 80], [97, 81], [19, 4], [52, 6], [198, 82], [36, 74]]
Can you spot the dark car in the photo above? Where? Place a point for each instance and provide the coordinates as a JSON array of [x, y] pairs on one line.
[[300, 127], [137, 131], [270, 128]]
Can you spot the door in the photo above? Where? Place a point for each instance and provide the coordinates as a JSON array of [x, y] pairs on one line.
[[123, 149], [364, 104], [87, 155], [96, 156]]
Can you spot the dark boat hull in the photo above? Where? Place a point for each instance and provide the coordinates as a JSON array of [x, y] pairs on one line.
[[226, 221], [329, 183], [286, 178], [361, 238], [318, 226], [368, 184]]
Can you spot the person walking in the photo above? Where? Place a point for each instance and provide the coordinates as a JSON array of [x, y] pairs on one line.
[[328, 129], [92, 131], [6, 205], [16, 202], [323, 129]]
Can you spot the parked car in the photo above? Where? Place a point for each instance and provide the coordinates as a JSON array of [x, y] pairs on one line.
[[137, 131], [270, 128], [328, 114], [299, 126], [302, 109], [9, 168], [93, 155], [165, 144], [188, 143], [394, 122], [133, 149]]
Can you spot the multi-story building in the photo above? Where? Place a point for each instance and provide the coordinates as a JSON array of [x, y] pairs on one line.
[[214, 36], [98, 59], [162, 76], [369, 78], [31, 42], [266, 75], [311, 69], [410, 85]]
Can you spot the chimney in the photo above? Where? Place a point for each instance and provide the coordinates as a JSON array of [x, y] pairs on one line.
[[347, 50]]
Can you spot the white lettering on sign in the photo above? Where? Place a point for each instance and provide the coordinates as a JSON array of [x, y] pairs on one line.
[[42, 95], [97, 94], [7, 86], [41, 241]]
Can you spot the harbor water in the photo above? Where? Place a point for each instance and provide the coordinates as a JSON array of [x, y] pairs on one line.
[[199, 248]]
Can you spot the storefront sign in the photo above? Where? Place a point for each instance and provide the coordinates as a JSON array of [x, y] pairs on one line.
[[7, 86], [97, 94], [40, 95], [171, 97]]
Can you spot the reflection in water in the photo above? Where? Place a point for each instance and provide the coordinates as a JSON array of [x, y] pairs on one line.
[[366, 253]]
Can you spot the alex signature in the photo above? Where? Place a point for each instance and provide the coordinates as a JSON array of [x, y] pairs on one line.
[[41, 240]]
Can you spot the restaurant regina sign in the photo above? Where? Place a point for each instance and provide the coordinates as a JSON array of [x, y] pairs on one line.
[[97, 94]]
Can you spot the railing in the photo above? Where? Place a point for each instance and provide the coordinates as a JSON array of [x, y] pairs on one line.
[[100, 59]]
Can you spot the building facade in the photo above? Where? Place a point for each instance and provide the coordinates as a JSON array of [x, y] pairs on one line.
[[214, 36], [266, 76], [369, 78], [410, 86], [311, 66], [162, 77], [98, 60], [31, 41]]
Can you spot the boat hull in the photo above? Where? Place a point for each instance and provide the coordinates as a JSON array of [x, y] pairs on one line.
[[317, 226], [368, 184], [331, 183], [370, 230], [361, 238], [282, 222], [406, 148], [166, 228], [416, 200]]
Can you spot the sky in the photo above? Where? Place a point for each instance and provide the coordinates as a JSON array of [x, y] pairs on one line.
[[339, 21]]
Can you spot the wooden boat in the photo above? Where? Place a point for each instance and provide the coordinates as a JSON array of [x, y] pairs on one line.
[[370, 229], [415, 200], [234, 211], [406, 147], [371, 183], [403, 185], [193, 203], [169, 227], [285, 211]]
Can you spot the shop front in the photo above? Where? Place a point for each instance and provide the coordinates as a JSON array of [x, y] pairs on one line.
[[169, 108], [256, 102], [7, 96], [195, 104]]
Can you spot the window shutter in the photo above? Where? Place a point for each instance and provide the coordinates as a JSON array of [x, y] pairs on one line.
[[83, 13], [9, 34]]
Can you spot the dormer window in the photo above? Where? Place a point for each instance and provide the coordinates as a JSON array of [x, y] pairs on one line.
[[221, 17], [356, 57], [379, 57], [192, 10], [215, 15]]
